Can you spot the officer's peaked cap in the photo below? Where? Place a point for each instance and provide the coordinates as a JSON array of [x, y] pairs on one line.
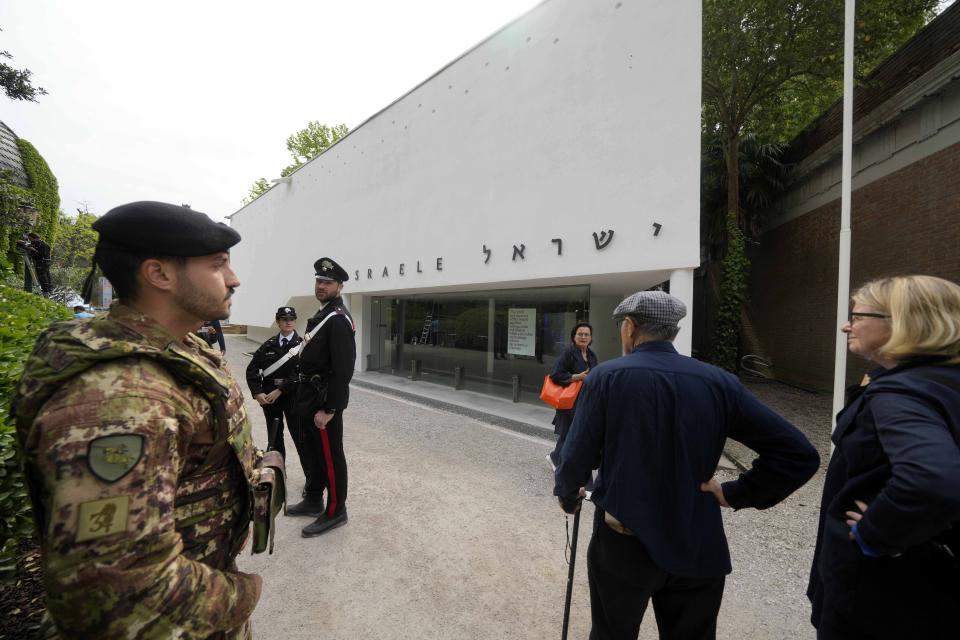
[[328, 269], [655, 307], [162, 229], [288, 313]]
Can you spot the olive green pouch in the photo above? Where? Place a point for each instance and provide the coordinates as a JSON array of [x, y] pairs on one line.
[[269, 496]]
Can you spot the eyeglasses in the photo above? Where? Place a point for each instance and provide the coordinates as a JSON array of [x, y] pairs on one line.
[[852, 316], [582, 335]]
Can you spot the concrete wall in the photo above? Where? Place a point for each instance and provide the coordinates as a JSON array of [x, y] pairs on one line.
[[579, 118]]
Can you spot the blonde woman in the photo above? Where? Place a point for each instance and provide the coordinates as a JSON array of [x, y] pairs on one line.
[[886, 560]]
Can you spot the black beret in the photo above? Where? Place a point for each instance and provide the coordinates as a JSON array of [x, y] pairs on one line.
[[286, 312], [162, 229], [328, 269]]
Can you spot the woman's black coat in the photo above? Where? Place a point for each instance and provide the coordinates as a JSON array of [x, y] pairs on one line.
[[898, 450], [570, 362]]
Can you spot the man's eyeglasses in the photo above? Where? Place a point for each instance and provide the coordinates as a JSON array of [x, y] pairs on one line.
[[852, 317]]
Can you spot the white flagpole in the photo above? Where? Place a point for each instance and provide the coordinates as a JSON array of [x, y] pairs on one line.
[[843, 273]]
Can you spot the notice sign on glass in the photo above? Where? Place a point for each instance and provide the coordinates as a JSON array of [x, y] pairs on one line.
[[521, 332]]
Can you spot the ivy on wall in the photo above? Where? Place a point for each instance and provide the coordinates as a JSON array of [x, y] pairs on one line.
[[733, 287], [12, 223], [45, 190]]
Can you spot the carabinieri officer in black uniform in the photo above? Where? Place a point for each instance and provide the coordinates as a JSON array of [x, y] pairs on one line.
[[326, 367], [276, 391]]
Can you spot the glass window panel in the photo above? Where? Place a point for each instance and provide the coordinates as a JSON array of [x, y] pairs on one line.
[[447, 330]]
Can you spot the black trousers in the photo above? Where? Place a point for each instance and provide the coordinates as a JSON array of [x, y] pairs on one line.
[[43, 275], [278, 411], [323, 461], [623, 579], [561, 426]]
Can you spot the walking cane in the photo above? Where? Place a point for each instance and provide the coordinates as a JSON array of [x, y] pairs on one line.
[[573, 560]]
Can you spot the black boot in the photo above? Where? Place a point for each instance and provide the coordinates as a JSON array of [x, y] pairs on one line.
[[324, 523], [307, 507]]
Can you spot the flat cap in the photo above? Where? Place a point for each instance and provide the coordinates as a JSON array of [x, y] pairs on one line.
[[287, 313], [328, 269], [162, 229], [656, 307]]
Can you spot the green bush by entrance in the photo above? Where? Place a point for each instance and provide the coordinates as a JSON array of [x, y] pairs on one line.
[[22, 317]]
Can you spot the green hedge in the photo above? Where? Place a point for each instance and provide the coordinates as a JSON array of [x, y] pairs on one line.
[[22, 317], [46, 190]]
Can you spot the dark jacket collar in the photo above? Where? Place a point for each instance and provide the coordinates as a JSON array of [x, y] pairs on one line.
[[911, 363], [662, 346]]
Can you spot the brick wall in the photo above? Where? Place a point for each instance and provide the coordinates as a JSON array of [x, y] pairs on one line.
[[907, 222]]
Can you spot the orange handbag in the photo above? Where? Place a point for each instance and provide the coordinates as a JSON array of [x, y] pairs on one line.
[[559, 397]]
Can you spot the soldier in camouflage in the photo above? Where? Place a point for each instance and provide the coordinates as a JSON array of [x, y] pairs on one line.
[[138, 451]]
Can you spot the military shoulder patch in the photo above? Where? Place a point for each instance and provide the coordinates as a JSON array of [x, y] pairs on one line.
[[101, 518], [112, 457]]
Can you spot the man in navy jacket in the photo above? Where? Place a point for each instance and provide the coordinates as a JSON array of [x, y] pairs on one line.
[[655, 423]]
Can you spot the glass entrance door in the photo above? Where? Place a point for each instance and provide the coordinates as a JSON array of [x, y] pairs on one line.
[[383, 344]]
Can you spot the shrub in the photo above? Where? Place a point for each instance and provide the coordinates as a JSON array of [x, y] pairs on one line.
[[22, 317]]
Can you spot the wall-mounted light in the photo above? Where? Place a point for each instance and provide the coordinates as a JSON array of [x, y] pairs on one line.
[[284, 180]]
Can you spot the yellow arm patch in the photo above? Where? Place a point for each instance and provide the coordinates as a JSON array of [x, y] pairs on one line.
[[101, 518]]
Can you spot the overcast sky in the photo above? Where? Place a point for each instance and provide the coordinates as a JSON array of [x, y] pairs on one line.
[[190, 102]]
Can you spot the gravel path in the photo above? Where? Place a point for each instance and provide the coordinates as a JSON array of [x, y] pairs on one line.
[[454, 533]]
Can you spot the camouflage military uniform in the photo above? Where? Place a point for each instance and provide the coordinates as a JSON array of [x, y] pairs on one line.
[[139, 460]]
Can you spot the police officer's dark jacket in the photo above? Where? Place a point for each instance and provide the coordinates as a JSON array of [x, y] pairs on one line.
[[268, 353], [327, 361]]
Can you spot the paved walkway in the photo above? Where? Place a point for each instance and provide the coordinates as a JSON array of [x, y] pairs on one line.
[[454, 533]]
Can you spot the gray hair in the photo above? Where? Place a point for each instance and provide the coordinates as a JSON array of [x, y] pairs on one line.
[[655, 330]]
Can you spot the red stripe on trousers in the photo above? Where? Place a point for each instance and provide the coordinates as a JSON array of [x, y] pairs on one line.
[[331, 478]]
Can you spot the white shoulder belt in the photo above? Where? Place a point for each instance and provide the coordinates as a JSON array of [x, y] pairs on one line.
[[297, 349]]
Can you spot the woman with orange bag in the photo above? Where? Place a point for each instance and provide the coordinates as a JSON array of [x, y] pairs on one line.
[[573, 365]]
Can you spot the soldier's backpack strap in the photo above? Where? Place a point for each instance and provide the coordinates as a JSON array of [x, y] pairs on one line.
[[269, 496]]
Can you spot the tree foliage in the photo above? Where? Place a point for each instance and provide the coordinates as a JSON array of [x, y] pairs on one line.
[[17, 83], [257, 189], [73, 251], [780, 62], [311, 141], [763, 178], [304, 145], [771, 66]]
